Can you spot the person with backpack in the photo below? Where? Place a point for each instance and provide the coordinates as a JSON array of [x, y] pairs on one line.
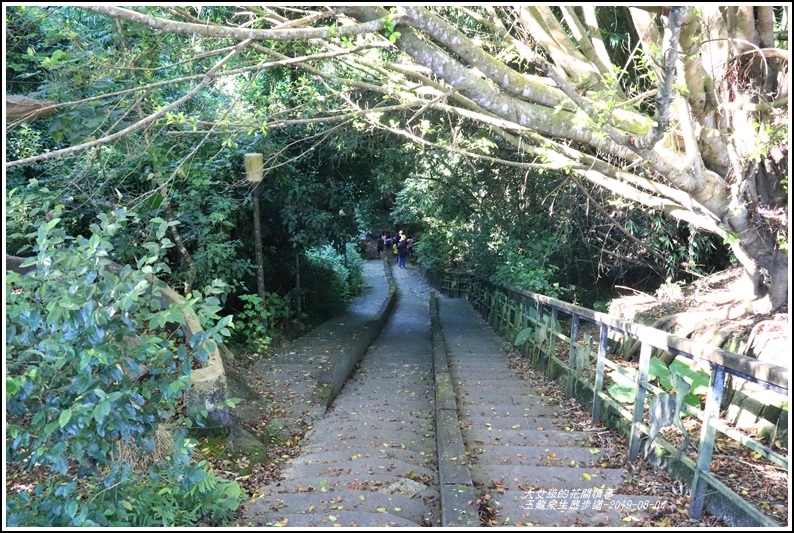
[[389, 243]]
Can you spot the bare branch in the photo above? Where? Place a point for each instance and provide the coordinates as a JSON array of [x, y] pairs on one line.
[[240, 34]]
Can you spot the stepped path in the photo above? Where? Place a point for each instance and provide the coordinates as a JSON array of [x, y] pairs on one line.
[[372, 460], [527, 464]]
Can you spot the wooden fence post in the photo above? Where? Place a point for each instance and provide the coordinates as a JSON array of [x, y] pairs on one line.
[[573, 367], [639, 401], [707, 435], [599, 379]]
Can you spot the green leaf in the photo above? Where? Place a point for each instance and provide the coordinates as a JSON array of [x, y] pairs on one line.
[[71, 306], [50, 427], [223, 322], [523, 336], [174, 387], [621, 392], [51, 224], [698, 380], [101, 411], [11, 386], [657, 369], [66, 415]]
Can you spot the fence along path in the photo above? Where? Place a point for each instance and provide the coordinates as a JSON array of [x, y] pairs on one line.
[[539, 324], [527, 464], [374, 459]]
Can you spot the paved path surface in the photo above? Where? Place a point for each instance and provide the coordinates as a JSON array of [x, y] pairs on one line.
[[371, 461], [525, 463], [374, 458], [293, 378]]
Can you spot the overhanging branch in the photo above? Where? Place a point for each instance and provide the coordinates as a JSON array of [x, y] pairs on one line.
[[208, 79]]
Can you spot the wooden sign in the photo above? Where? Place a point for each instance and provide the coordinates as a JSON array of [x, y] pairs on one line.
[[254, 167]]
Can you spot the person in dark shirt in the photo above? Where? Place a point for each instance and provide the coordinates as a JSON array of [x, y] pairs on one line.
[[402, 251], [381, 243]]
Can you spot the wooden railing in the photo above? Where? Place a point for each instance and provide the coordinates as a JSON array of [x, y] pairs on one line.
[[536, 322]]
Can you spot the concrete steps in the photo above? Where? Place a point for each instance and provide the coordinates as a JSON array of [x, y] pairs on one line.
[[371, 460], [527, 464]]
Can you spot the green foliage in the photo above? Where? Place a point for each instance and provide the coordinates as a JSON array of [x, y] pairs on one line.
[[624, 386], [257, 317], [388, 27], [355, 270], [523, 336], [526, 334], [171, 493], [529, 271], [435, 251], [331, 280], [23, 141], [90, 365]]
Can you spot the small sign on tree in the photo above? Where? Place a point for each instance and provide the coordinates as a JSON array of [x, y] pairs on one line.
[[254, 167]]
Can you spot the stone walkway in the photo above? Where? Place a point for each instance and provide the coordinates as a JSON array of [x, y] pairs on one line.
[[430, 423], [371, 460]]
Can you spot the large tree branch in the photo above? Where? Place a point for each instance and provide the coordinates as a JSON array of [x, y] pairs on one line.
[[539, 118], [673, 209], [451, 38], [544, 28], [239, 34], [593, 35], [52, 107]]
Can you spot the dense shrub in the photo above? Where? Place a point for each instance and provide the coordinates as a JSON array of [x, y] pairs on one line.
[[91, 371], [330, 280], [529, 272]]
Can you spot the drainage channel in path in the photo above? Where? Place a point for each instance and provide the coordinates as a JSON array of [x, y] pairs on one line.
[[371, 461], [527, 467]]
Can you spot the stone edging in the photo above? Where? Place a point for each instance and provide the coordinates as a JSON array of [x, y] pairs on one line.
[[332, 379], [458, 498]]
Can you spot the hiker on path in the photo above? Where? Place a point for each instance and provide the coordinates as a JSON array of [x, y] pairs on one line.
[[402, 251], [389, 244], [381, 244]]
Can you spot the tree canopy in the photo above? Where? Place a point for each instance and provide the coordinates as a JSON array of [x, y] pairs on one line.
[[680, 111]]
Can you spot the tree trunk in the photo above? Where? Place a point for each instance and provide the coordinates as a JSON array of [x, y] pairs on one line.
[[298, 307]]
